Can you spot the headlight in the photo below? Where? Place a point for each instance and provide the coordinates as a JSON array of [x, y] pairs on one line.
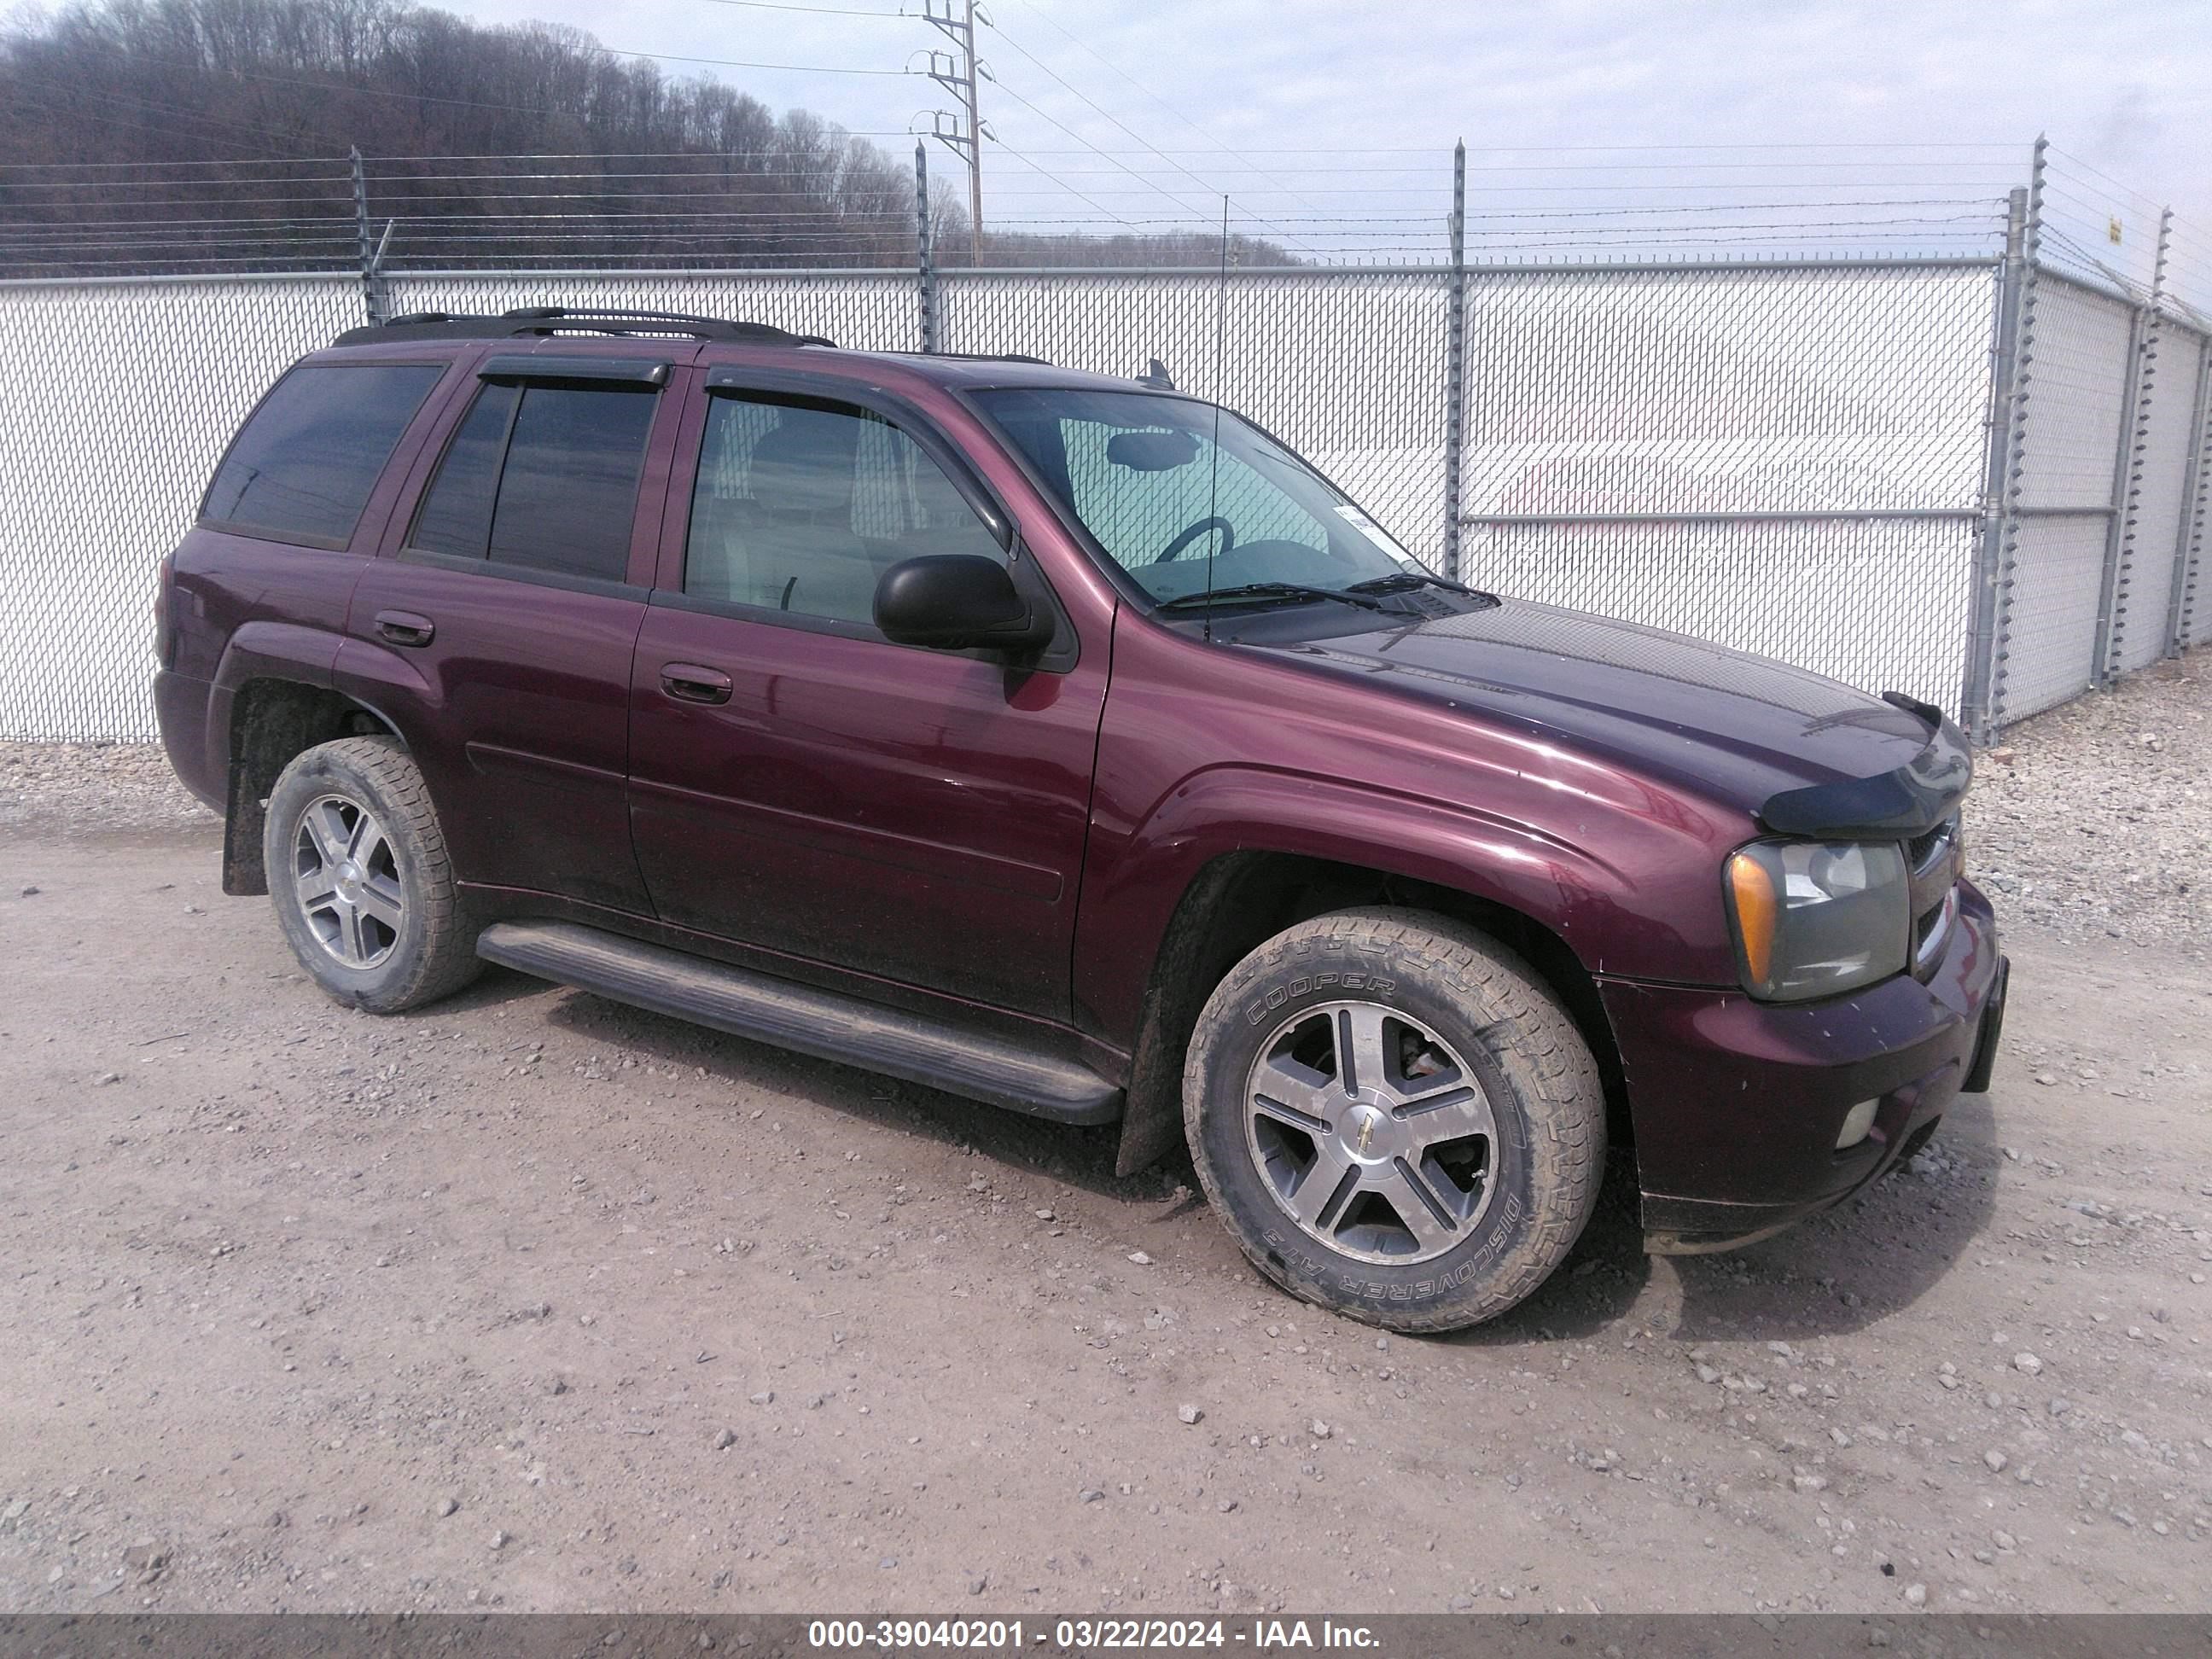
[[1815, 918]]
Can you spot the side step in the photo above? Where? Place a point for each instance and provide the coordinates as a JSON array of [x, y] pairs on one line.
[[802, 1018]]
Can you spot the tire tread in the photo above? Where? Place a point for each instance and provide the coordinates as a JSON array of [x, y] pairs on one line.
[[1548, 1061], [447, 960]]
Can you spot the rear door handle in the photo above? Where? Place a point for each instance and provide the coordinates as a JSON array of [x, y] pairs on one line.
[[687, 681], [404, 628]]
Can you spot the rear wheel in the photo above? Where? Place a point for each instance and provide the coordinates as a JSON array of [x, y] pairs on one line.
[[1396, 1119], [362, 885]]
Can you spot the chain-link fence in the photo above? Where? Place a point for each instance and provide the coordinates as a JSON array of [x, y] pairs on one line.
[[1787, 460], [117, 399], [1978, 481]]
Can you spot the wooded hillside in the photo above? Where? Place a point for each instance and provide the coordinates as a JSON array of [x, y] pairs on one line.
[[150, 135]]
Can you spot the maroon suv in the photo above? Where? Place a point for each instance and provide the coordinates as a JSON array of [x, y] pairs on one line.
[[1068, 743]]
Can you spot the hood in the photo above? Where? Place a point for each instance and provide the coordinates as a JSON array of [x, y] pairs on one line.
[[1730, 725]]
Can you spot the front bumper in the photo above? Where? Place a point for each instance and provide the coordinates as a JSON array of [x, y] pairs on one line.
[[1736, 1104]]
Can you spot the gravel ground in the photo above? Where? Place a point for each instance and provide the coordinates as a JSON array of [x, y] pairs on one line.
[[531, 1301], [2095, 819], [71, 789]]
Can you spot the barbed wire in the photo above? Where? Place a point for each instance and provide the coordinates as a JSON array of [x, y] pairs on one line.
[[778, 202]]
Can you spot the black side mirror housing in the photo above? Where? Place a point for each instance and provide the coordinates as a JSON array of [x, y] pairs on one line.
[[958, 602]]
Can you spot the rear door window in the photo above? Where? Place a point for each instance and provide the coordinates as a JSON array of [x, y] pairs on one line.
[[541, 477], [301, 468], [456, 515]]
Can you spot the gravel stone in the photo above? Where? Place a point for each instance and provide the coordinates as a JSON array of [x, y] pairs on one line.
[[70, 788], [2100, 824]]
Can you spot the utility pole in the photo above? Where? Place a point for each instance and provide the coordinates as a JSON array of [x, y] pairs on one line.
[[956, 72]]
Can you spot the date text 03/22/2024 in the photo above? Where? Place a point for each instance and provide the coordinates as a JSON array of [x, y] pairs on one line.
[[1086, 1635]]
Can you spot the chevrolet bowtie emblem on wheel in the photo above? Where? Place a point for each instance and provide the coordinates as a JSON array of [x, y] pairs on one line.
[[1366, 1134]]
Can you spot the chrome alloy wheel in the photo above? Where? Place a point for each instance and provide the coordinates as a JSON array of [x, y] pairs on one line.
[[346, 872], [1371, 1132]]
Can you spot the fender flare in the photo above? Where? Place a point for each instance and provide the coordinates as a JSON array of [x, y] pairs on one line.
[[290, 652], [1129, 905], [1141, 967]]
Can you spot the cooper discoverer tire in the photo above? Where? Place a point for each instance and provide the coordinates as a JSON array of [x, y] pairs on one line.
[[1395, 1118], [363, 888]]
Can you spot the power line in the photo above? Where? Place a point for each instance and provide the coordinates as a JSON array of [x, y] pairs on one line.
[[1066, 34], [1094, 105], [740, 63], [820, 11], [1062, 183], [1149, 183]]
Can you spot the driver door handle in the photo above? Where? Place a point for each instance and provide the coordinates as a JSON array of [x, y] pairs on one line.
[[687, 681]]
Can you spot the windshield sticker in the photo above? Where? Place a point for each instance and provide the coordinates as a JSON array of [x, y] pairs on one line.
[[1367, 527]]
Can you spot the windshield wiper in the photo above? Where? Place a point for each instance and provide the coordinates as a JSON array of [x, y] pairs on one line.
[[1271, 591], [1401, 581]]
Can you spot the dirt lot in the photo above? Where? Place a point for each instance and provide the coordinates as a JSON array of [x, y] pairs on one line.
[[533, 1302]]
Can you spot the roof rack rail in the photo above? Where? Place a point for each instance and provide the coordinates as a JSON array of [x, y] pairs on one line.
[[568, 320], [980, 357]]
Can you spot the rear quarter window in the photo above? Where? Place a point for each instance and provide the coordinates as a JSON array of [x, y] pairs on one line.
[[302, 466]]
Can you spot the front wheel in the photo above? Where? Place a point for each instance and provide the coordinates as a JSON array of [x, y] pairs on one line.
[[363, 887], [1395, 1118]]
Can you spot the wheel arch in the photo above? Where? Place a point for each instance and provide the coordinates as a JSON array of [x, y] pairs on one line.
[[1237, 900], [273, 720]]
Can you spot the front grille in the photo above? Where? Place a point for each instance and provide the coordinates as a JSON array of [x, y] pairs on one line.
[[1933, 859], [1921, 850]]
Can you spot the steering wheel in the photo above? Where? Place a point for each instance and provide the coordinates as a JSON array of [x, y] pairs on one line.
[[1204, 526]]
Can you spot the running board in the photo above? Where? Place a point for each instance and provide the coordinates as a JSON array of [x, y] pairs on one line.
[[802, 1019]]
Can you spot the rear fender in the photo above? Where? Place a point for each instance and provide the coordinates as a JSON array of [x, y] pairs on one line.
[[265, 650], [391, 686]]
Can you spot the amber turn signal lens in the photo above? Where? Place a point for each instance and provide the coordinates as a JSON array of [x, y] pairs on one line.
[[1757, 908]]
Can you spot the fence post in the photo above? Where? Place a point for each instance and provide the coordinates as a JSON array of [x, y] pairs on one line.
[[2009, 480], [1978, 697], [2127, 473], [1456, 363], [2196, 487], [372, 282], [926, 253]]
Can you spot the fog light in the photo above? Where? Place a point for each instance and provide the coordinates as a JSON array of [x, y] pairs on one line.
[[1858, 1122]]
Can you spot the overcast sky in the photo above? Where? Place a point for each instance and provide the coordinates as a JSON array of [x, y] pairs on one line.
[[2122, 87]]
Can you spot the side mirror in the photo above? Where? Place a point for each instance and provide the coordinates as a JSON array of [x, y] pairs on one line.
[[956, 601]]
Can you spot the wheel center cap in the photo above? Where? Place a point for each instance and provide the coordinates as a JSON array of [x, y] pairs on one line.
[[1365, 1130], [348, 878]]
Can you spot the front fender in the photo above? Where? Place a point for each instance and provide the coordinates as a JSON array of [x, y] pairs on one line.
[[1131, 894]]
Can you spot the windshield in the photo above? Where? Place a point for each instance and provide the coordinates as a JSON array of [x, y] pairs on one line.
[[1147, 479]]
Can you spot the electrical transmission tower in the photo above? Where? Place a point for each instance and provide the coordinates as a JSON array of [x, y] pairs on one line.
[[962, 132]]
